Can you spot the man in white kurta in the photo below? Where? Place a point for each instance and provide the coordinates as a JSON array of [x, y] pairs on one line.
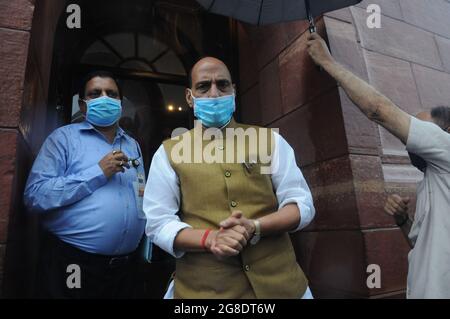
[[429, 260], [162, 198], [427, 139]]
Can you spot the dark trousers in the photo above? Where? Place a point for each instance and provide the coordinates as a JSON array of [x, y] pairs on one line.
[[61, 264]]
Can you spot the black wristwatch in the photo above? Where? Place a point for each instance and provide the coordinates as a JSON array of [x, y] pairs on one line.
[[257, 234], [401, 219]]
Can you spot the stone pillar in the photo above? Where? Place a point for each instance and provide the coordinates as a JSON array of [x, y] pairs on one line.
[[15, 25], [26, 34]]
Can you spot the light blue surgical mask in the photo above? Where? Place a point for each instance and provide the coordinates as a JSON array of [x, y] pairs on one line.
[[103, 111], [214, 112]]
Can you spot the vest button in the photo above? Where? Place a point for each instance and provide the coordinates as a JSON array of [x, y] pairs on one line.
[[227, 174], [233, 203], [247, 268]]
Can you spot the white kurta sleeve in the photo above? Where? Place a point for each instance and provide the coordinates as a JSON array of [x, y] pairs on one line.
[[162, 203], [430, 142], [289, 184]]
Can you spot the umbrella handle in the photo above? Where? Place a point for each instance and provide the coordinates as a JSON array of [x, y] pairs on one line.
[[313, 29], [312, 25]]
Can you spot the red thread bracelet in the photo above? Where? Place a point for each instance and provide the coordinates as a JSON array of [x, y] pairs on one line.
[[205, 236]]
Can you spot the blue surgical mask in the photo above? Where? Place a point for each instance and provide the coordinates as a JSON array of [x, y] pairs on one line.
[[103, 111], [214, 112]]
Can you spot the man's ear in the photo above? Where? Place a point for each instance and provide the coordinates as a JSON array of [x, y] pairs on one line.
[[189, 100], [83, 107]]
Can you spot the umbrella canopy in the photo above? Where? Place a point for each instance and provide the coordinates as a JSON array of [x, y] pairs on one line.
[[262, 12]]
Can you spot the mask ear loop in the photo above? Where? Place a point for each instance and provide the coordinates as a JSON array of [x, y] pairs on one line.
[[85, 102], [135, 162], [193, 97]]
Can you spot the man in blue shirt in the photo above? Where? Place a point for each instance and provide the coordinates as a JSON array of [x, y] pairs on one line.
[[87, 184]]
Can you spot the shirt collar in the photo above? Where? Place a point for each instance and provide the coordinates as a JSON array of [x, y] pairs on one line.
[[86, 126]]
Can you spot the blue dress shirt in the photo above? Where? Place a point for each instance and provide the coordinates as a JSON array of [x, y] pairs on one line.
[[78, 203]]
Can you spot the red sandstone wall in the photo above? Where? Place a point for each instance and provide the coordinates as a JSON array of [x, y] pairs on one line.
[[15, 26], [26, 37]]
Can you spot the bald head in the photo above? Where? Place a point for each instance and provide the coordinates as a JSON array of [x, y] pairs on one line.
[[208, 62], [211, 78]]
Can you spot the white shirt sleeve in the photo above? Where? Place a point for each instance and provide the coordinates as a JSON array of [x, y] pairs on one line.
[[162, 203], [289, 184], [430, 142]]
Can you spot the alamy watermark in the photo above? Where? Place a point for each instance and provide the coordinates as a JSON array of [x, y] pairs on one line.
[[250, 146], [374, 18], [73, 20], [374, 278], [74, 279]]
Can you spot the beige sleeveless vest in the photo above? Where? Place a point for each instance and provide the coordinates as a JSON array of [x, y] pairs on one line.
[[210, 192]]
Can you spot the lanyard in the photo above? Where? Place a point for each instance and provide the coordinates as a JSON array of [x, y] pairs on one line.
[[133, 161]]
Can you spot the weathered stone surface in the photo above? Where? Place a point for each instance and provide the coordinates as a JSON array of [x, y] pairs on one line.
[[398, 39], [433, 86], [295, 29], [393, 78], [333, 190], [17, 14], [315, 131], [300, 79], [31, 92], [348, 193], [444, 51], [334, 262], [248, 64], [341, 14], [388, 249], [368, 182], [251, 106], [7, 172], [345, 47], [390, 8], [434, 17], [43, 36], [271, 40], [362, 134], [270, 93], [34, 114], [13, 54]]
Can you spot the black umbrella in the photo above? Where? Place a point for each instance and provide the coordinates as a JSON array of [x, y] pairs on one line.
[[262, 12]]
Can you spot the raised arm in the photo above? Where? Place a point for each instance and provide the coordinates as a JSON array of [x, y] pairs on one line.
[[372, 103]]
